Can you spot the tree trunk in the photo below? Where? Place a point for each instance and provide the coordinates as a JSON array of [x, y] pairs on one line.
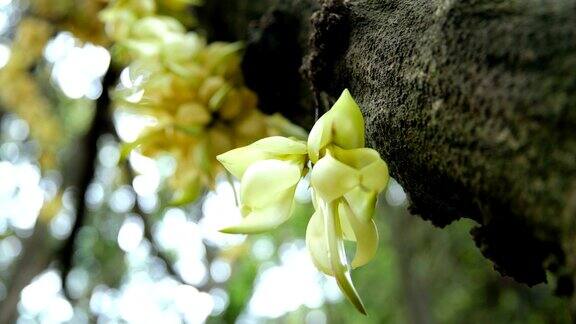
[[471, 103]]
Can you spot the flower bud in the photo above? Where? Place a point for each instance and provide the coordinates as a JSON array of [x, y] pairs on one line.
[[192, 113], [156, 28], [209, 88], [342, 125]]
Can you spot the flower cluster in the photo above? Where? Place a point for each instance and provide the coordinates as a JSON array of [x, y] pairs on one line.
[[345, 177], [193, 91], [121, 15], [77, 16], [22, 94]]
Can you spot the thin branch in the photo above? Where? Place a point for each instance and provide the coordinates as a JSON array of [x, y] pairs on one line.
[[101, 124], [39, 249], [37, 252]]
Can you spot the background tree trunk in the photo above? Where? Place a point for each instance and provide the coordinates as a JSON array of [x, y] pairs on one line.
[[471, 103]]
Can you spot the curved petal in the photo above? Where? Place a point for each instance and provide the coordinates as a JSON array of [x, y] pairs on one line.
[[347, 230], [317, 243], [338, 256], [356, 158], [261, 220], [281, 145], [331, 178], [362, 202], [264, 182], [348, 123], [320, 136], [238, 160], [375, 176], [373, 170], [366, 235]]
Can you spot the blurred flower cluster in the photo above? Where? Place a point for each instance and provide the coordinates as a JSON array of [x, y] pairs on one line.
[[120, 16], [77, 16], [345, 177], [192, 91], [21, 92]]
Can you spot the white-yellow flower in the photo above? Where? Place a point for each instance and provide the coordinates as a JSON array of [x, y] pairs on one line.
[[342, 125], [356, 175], [238, 160], [269, 170], [346, 184], [346, 179]]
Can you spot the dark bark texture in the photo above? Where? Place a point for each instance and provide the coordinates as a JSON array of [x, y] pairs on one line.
[[276, 34], [471, 102]]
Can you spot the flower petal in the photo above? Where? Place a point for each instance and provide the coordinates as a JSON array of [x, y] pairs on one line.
[[317, 243], [281, 145], [338, 256], [261, 220], [362, 202], [366, 235], [342, 125], [331, 178], [348, 123], [375, 176], [356, 158], [276, 147], [373, 170], [320, 136], [264, 182], [238, 160], [347, 230]]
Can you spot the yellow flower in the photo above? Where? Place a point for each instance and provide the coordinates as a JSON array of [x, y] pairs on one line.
[[192, 91], [266, 195], [346, 184], [343, 126], [346, 179], [324, 239], [269, 170], [119, 16], [281, 148], [356, 175]]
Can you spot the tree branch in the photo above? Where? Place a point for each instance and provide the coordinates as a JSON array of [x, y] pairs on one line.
[[464, 104], [472, 105], [40, 248], [101, 124], [37, 252]]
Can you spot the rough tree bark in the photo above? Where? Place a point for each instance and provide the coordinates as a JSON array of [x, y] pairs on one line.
[[471, 102]]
